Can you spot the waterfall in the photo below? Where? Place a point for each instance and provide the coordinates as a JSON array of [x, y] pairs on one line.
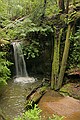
[[19, 61], [20, 65]]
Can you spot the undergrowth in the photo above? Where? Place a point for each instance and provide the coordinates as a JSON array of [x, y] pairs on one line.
[[34, 114]]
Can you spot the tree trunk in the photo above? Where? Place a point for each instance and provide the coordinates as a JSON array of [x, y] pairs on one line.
[[45, 2], [64, 59], [55, 63], [67, 6], [44, 8], [61, 5]]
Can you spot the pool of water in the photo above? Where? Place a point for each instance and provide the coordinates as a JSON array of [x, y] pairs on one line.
[[12, 101]]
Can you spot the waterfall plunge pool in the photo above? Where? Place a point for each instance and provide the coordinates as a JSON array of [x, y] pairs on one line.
[[24, 80], [13, 98]]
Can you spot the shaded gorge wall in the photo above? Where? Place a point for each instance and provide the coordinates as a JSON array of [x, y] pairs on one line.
[[41, 65]]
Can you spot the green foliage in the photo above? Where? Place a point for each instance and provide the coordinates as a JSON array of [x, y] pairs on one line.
[[38, 10], [14, 10], [31, 50], [4, 71], [2, 8], [32, 114], [74, 58], [56, 117], [24, 29], [34, 8], [71, 17], [52, 8]]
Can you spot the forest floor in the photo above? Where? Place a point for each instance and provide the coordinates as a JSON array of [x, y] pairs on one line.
[[62, 103]]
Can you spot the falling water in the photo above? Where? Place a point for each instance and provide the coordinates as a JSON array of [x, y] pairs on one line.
[[19, 61], [21, 72]]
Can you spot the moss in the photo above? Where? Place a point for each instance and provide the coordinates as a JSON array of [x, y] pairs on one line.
[[71, 90], [43, 89], [65, 90]]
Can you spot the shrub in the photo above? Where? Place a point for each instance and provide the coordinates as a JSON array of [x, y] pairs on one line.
[[74, 57], [31, 114], [56, 117], [4, 70]]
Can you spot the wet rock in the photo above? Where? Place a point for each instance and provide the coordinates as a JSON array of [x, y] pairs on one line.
[[75, 71], [52, 103], [65, 106], [49, 96], [71, 89]]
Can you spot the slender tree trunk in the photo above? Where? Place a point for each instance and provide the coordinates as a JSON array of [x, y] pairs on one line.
[[64, 59], [45, 2], [43, 14], [61, 5], [55, 63], [55, 66], [67, 6]]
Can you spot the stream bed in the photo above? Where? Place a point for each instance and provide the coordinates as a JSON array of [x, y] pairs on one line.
[[12, 100]]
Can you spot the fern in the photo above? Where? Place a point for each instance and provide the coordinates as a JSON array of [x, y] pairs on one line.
[[4, 70], [32, 114], [56, 117]]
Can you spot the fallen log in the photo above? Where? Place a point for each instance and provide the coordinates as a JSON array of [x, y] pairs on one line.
[[35, 96], [38, 94], [45, 82], [33, 91]]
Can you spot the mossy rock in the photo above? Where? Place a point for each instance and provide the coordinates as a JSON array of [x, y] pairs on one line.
[[71, 89]]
